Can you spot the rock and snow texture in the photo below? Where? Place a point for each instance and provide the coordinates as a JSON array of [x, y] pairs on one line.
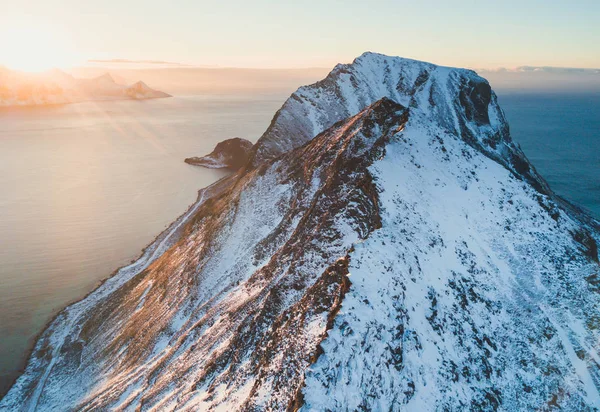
[[230, 153], [458, 99], [474, 294], [57, 87], [408, 257]]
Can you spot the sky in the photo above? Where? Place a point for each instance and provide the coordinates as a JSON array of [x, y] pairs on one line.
[[309, 33]]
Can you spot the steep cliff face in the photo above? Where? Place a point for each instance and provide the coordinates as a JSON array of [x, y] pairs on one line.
[[407, 257]]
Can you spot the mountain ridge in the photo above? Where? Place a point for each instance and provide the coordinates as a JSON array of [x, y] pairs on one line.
[[407, 256]]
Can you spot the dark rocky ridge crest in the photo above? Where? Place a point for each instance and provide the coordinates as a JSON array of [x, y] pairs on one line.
[[230, 153]]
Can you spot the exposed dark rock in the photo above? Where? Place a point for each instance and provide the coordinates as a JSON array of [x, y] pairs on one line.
[[230, 153], [475, 96], [588, 243]]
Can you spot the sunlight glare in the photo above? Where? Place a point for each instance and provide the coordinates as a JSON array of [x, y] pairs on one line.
[[35, 47]]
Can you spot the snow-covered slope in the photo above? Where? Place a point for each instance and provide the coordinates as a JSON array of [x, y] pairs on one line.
[[57, 87], [408, 257]]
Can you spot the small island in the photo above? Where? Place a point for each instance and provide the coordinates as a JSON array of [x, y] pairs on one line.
[[228, 154], [58, 87]]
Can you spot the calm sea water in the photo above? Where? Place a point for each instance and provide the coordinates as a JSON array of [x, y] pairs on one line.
[[84, 187], [560, 134]]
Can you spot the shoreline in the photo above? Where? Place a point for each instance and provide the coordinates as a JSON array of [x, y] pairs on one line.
[[108, 99], [172, 229]]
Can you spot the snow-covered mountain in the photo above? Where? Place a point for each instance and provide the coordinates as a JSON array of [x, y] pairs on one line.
[[388, 247], [58, 87]]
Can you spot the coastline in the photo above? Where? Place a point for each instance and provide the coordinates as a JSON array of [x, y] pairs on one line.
[[108, 99], [145, 258]]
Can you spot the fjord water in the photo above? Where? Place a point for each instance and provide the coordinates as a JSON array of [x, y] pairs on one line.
[[560, 134], [84, 187]]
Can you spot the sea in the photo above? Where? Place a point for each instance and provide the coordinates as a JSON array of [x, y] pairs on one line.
[[560, 134], [84, 187]]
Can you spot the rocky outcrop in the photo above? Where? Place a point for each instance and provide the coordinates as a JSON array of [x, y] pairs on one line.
[[140, 91], [399, 259], [230, 153]]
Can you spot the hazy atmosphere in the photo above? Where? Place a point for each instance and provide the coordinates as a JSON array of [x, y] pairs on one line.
[[284, 206], [266, 34]]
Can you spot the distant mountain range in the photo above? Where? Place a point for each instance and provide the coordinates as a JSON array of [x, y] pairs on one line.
[[58, 87], [543, 69]]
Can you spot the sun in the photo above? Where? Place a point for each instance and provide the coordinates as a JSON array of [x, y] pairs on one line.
[[35, 47]]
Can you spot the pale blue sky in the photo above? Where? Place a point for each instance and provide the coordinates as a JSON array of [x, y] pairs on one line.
[[481, 34]]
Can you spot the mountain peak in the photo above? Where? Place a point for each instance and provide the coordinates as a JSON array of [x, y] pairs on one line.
[[459, 98], [106, 77], [370, 57], [140, 84], [140, 90]]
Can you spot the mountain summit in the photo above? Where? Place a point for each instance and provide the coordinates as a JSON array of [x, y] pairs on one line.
[[387, 247]]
